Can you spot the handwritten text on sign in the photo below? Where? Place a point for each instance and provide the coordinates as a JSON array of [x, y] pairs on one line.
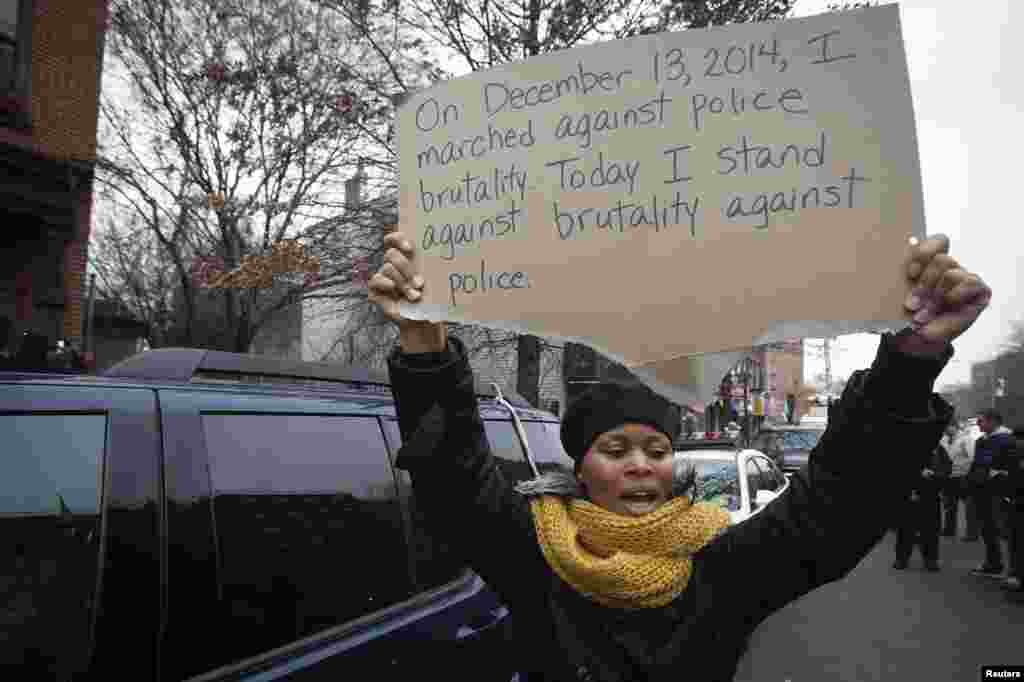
[[668, 178]]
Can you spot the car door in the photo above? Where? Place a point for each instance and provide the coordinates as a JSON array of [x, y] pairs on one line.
[[80, 556], [477, 618], [310, 569]]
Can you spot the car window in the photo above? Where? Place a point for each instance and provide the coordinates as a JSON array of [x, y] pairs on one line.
[[768, 442], [435, 563], [800, 440], [308, 525], [50, 492], [718, 483], [546, 445], [771, 478], [753, 479]]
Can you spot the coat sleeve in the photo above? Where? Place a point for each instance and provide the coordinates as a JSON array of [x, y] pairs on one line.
[[455, 478], [880, 436]]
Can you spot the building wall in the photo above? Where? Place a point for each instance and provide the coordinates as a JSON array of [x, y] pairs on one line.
[[116, 335], [31, 284], [110, 351], [67, 58], [983, 393], [64, 80], [784, 373], [281, 335], [502, 367]]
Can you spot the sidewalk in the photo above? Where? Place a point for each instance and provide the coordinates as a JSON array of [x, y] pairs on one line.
[[880, 625]]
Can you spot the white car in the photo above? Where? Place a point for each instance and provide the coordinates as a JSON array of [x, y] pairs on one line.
[[719, 479]]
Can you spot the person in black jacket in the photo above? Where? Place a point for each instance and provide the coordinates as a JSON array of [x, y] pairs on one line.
[[919, 521], [610, 572], [986, 478], [1015, 488]]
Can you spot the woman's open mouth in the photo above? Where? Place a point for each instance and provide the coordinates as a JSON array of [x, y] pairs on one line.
[[640, 501], [640, 496]]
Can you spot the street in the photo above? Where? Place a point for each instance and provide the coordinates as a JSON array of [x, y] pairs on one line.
[[884, 624]]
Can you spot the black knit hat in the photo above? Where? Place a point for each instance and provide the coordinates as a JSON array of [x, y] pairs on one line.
[[607, 406]]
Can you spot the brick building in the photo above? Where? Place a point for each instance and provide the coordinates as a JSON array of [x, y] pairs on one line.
[[51, 55], [773, 385], [999, 384]]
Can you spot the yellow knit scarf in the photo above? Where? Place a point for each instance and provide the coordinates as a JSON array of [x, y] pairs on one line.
[[625, 562]]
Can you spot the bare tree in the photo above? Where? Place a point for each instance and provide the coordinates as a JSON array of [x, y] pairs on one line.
[[228, 131], [473, 35], [485, 33], [130, 270]]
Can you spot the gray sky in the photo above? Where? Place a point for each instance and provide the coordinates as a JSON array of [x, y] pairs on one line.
[[968, 102]]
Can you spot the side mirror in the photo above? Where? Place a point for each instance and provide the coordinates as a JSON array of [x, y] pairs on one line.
[[763, 497]]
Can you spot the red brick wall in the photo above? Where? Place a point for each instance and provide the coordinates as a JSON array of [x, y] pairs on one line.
[[67, 58], [75, 253]]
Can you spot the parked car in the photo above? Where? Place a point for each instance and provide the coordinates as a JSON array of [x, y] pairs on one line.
[[789, 446], [204, 515], [743, 482]]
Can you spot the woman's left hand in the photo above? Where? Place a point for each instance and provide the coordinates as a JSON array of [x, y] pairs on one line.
[[945, 299]]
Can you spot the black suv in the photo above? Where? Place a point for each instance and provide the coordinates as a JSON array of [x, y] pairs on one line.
[[197, 514]]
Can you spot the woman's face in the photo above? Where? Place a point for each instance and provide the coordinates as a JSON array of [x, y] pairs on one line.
[[628, 470]]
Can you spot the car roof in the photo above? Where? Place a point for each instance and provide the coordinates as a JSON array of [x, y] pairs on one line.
[[194, 369], [709, 454], [687, 445]]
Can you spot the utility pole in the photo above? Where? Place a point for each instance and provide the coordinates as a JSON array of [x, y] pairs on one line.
[[90, 341], [828, 366]]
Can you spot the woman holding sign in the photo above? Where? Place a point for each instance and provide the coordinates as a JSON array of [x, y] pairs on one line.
[[610, 571]]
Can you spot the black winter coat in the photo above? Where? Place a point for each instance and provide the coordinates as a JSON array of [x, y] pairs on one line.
[[942, 468], [834, 511]]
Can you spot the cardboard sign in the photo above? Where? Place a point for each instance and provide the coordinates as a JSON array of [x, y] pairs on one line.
[[672, 195]]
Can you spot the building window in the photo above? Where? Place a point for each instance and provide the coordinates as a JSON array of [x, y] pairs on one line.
[[15, 52], [8, 43]]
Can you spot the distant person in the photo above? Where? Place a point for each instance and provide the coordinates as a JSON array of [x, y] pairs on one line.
[[1015, 490], [919, 522], [971, 434], [959, 444], [994, 446]]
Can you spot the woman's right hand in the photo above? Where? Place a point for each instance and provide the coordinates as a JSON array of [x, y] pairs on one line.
[[399, 277]]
